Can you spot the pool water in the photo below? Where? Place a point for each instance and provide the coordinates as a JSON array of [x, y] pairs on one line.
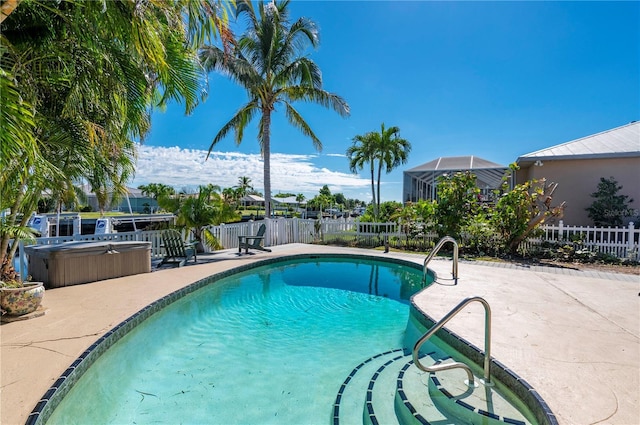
[[268, 346]]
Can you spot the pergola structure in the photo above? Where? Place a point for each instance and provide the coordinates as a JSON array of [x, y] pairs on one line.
[[420, 183]]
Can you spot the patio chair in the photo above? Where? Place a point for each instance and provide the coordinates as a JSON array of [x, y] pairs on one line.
[[177, 251], [252, 242]]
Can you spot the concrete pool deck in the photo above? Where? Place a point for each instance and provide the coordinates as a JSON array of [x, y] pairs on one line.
[[573, 336]]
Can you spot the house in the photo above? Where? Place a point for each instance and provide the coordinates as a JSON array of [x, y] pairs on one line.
[[578, 165], [252, 201], [420, 183]]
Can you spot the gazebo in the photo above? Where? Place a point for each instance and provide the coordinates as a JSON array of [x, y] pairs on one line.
[[420, 182]]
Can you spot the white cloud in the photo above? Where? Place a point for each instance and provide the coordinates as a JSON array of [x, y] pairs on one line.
[[180, 168]]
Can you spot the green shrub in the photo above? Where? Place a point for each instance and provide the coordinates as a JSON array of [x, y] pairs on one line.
[[457, 202], [478, 237], [609, 207]]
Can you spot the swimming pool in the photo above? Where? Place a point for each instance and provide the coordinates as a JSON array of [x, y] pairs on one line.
[[273, 344]]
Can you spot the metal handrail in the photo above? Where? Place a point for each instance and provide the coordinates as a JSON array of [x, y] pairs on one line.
[[441, 242], [440, 324]]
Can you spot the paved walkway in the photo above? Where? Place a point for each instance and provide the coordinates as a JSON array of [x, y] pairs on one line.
[[573, 335]]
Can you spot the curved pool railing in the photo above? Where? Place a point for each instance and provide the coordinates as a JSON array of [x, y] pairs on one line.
[[439, 245], [487, 343]]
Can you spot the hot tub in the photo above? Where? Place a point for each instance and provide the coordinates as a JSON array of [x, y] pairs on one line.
[[73, 263]]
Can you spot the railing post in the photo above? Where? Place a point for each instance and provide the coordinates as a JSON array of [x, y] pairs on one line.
[[77, 225], [560, 230], [630, 238]]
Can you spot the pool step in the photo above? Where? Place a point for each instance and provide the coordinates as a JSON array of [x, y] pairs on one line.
[[347, 408], [378, 404], [436, 397], [413, 403], [389, 389]]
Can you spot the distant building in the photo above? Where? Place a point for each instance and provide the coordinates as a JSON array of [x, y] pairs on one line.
[[252, 201], [140, 203], [420, 183], [578, 165]]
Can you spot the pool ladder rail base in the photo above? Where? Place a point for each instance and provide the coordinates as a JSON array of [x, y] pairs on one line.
[[455, 365]]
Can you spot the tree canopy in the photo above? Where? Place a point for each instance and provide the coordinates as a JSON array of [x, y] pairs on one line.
[[79, 80], [385, 149], [269, 62]]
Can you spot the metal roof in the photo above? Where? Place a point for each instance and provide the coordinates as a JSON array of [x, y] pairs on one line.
[[488, 174], [252, 198], [618, 142], [457, 163]]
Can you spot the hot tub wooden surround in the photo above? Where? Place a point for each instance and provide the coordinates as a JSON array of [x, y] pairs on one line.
[[73, 263]]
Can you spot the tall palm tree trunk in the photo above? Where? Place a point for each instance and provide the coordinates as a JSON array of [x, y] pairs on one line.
[[266, 156], [373, 192], [378, 185]]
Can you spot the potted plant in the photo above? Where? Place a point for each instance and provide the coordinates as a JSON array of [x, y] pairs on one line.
[[18, 298]]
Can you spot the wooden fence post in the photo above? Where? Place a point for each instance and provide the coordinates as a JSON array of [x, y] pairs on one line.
[[630, 238]]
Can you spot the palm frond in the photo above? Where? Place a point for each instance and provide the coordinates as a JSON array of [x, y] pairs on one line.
[[319, 96], [237, 123], [297, 121], [16, 121]]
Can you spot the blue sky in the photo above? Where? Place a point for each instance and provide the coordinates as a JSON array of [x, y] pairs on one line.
[[491, 79]]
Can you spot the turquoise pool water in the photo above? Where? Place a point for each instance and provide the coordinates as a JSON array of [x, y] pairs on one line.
[[267, 346]]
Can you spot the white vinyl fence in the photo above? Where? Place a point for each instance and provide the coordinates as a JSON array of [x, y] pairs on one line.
[[278, 232], [621, 242]]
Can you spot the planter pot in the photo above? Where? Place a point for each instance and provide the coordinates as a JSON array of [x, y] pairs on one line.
[[24, 300]]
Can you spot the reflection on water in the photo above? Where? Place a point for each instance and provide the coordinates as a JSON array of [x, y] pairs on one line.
[[394, 281]]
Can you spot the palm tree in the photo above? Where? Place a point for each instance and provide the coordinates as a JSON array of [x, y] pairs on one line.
[[392, 152], [267, 62], [156, 190], [299, 200], [385, 149], [79, 80], [110, 174], [244, 186], [198, 211], [361, 152]]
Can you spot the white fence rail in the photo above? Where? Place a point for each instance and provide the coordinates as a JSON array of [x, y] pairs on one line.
[[281, 231], [622, 242], [153, 236]]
